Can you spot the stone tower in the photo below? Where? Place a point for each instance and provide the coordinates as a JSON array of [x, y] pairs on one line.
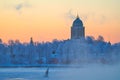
[[77, 29]]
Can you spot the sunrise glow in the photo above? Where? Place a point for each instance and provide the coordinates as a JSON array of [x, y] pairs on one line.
[[45, 20]]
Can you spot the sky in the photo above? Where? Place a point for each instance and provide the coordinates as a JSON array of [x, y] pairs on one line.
[[45, 20]]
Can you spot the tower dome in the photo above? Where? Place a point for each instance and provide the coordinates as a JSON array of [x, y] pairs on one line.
[[77, 22], [77, 29]]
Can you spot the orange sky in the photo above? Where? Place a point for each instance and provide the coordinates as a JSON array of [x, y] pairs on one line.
[[47, 20]]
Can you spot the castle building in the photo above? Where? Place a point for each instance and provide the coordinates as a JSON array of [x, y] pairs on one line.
[[77, 29]]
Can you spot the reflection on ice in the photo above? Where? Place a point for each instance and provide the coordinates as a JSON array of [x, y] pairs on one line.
[[87, 72], [16, 79]]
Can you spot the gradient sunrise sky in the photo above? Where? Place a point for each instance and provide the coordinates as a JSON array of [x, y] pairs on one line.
[[45, 20]]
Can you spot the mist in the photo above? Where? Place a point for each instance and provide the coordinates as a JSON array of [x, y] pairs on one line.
[[85, 59], [86, 72], [81, 51]]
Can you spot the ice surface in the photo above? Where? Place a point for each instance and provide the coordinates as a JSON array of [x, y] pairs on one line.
[[88, 72]]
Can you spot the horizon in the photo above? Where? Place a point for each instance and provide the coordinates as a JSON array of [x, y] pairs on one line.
[[48, 20]]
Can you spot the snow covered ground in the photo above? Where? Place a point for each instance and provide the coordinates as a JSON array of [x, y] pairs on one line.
[[87, 72]]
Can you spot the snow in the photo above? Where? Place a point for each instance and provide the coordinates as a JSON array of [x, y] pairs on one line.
[[86, 72], [88, 50]]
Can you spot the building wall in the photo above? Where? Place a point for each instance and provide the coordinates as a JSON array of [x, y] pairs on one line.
[[77, 32]]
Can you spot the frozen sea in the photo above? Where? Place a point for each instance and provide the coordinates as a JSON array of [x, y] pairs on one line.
[[87, 72]]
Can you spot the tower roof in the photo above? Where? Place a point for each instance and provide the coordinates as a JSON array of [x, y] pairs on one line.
[[31, 40], [77, 22]]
